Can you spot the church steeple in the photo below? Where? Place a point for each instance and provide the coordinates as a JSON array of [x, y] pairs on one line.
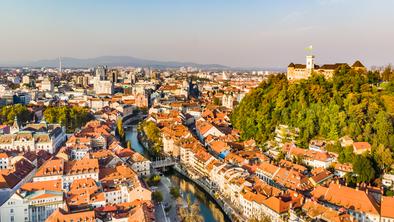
[[15, 126]]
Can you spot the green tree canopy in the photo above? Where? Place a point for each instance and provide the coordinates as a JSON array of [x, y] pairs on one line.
[[71, 117], [347, 104], [363, 168]]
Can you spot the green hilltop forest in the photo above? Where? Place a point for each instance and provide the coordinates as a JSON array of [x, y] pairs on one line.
[[358, 104], [351, 103]]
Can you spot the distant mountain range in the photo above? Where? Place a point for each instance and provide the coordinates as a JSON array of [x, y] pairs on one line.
[[111, 61]]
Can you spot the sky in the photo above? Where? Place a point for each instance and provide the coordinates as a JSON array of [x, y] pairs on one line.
[[238, 33]]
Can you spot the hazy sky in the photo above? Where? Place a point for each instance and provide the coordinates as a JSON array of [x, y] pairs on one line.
[[231, 32]]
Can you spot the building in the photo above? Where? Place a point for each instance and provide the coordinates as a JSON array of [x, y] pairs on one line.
[[101, 83], [359, 203], [304, 71], [11, 180], [5, 161], [62, 215], [361, 147], [387, 209], [34, 137], [47, 85]]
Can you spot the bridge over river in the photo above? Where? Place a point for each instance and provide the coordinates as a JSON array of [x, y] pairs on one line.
[[163, 162]]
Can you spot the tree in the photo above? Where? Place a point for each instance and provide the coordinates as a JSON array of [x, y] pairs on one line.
[[190, 213], [71, 117], [384, 128], [363, 168], [174, 191], [8, 114], [119, 128], [387, 74], [383, 157], [154, 180], [153, 135], [216, 101], [346, 155], [350, 103], [129, 144], [157, 196]]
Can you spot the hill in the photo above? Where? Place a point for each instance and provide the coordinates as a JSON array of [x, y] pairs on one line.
[[349, 104]]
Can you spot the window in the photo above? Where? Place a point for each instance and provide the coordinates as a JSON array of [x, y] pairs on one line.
[[11, 211], [12, 219]]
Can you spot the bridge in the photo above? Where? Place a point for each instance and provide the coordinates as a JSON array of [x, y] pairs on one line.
[[161, 163], [129, 120]]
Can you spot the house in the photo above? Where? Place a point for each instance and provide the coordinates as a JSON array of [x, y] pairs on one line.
[[316, 212], [12, 179], [85, 193], [320, 176], [5, 161], [311, 158], [171, 135], [80, 169], [387, 209], [360, 204], [204, 128], [62, 215], [219, 148], [361, 147], [35, 137], [252, 196], [43, 202], [346, 141], [140, 164], [341, 169], [277, 207], [388, 180]]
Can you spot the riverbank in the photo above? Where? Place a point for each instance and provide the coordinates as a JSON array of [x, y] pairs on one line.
[[225, 208], [210, 209], [207, 190]]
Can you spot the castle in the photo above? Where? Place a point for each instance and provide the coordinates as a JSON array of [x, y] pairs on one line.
[[302, 71]]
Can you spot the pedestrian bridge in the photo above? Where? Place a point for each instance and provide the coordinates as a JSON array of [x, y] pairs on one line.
[[163, 162]]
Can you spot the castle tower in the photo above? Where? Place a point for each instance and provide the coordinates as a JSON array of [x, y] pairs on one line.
[[310, 64]]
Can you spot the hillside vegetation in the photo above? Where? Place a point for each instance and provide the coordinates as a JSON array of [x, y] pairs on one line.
[[351, 103]]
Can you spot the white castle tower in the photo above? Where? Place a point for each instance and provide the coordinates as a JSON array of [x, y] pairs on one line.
[[310, 62]]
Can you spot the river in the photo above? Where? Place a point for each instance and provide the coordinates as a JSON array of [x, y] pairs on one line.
[[209, 210]]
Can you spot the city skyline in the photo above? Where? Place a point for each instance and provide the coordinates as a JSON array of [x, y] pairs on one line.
[[231, 33]]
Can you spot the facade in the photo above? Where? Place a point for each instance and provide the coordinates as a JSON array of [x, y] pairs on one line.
[[35, 137], [102, 84], [47, 85], [304, 71]]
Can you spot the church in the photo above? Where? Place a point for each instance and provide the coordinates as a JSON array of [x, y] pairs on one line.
[[304, 71]]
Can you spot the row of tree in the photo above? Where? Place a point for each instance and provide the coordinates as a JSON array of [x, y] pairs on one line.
[[72, 117], [8, 114], [152, 135]]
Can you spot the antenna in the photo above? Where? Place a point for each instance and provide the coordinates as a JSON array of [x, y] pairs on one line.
[[60, 64]]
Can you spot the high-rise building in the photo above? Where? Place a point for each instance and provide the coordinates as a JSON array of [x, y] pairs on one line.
[[101, 83]]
